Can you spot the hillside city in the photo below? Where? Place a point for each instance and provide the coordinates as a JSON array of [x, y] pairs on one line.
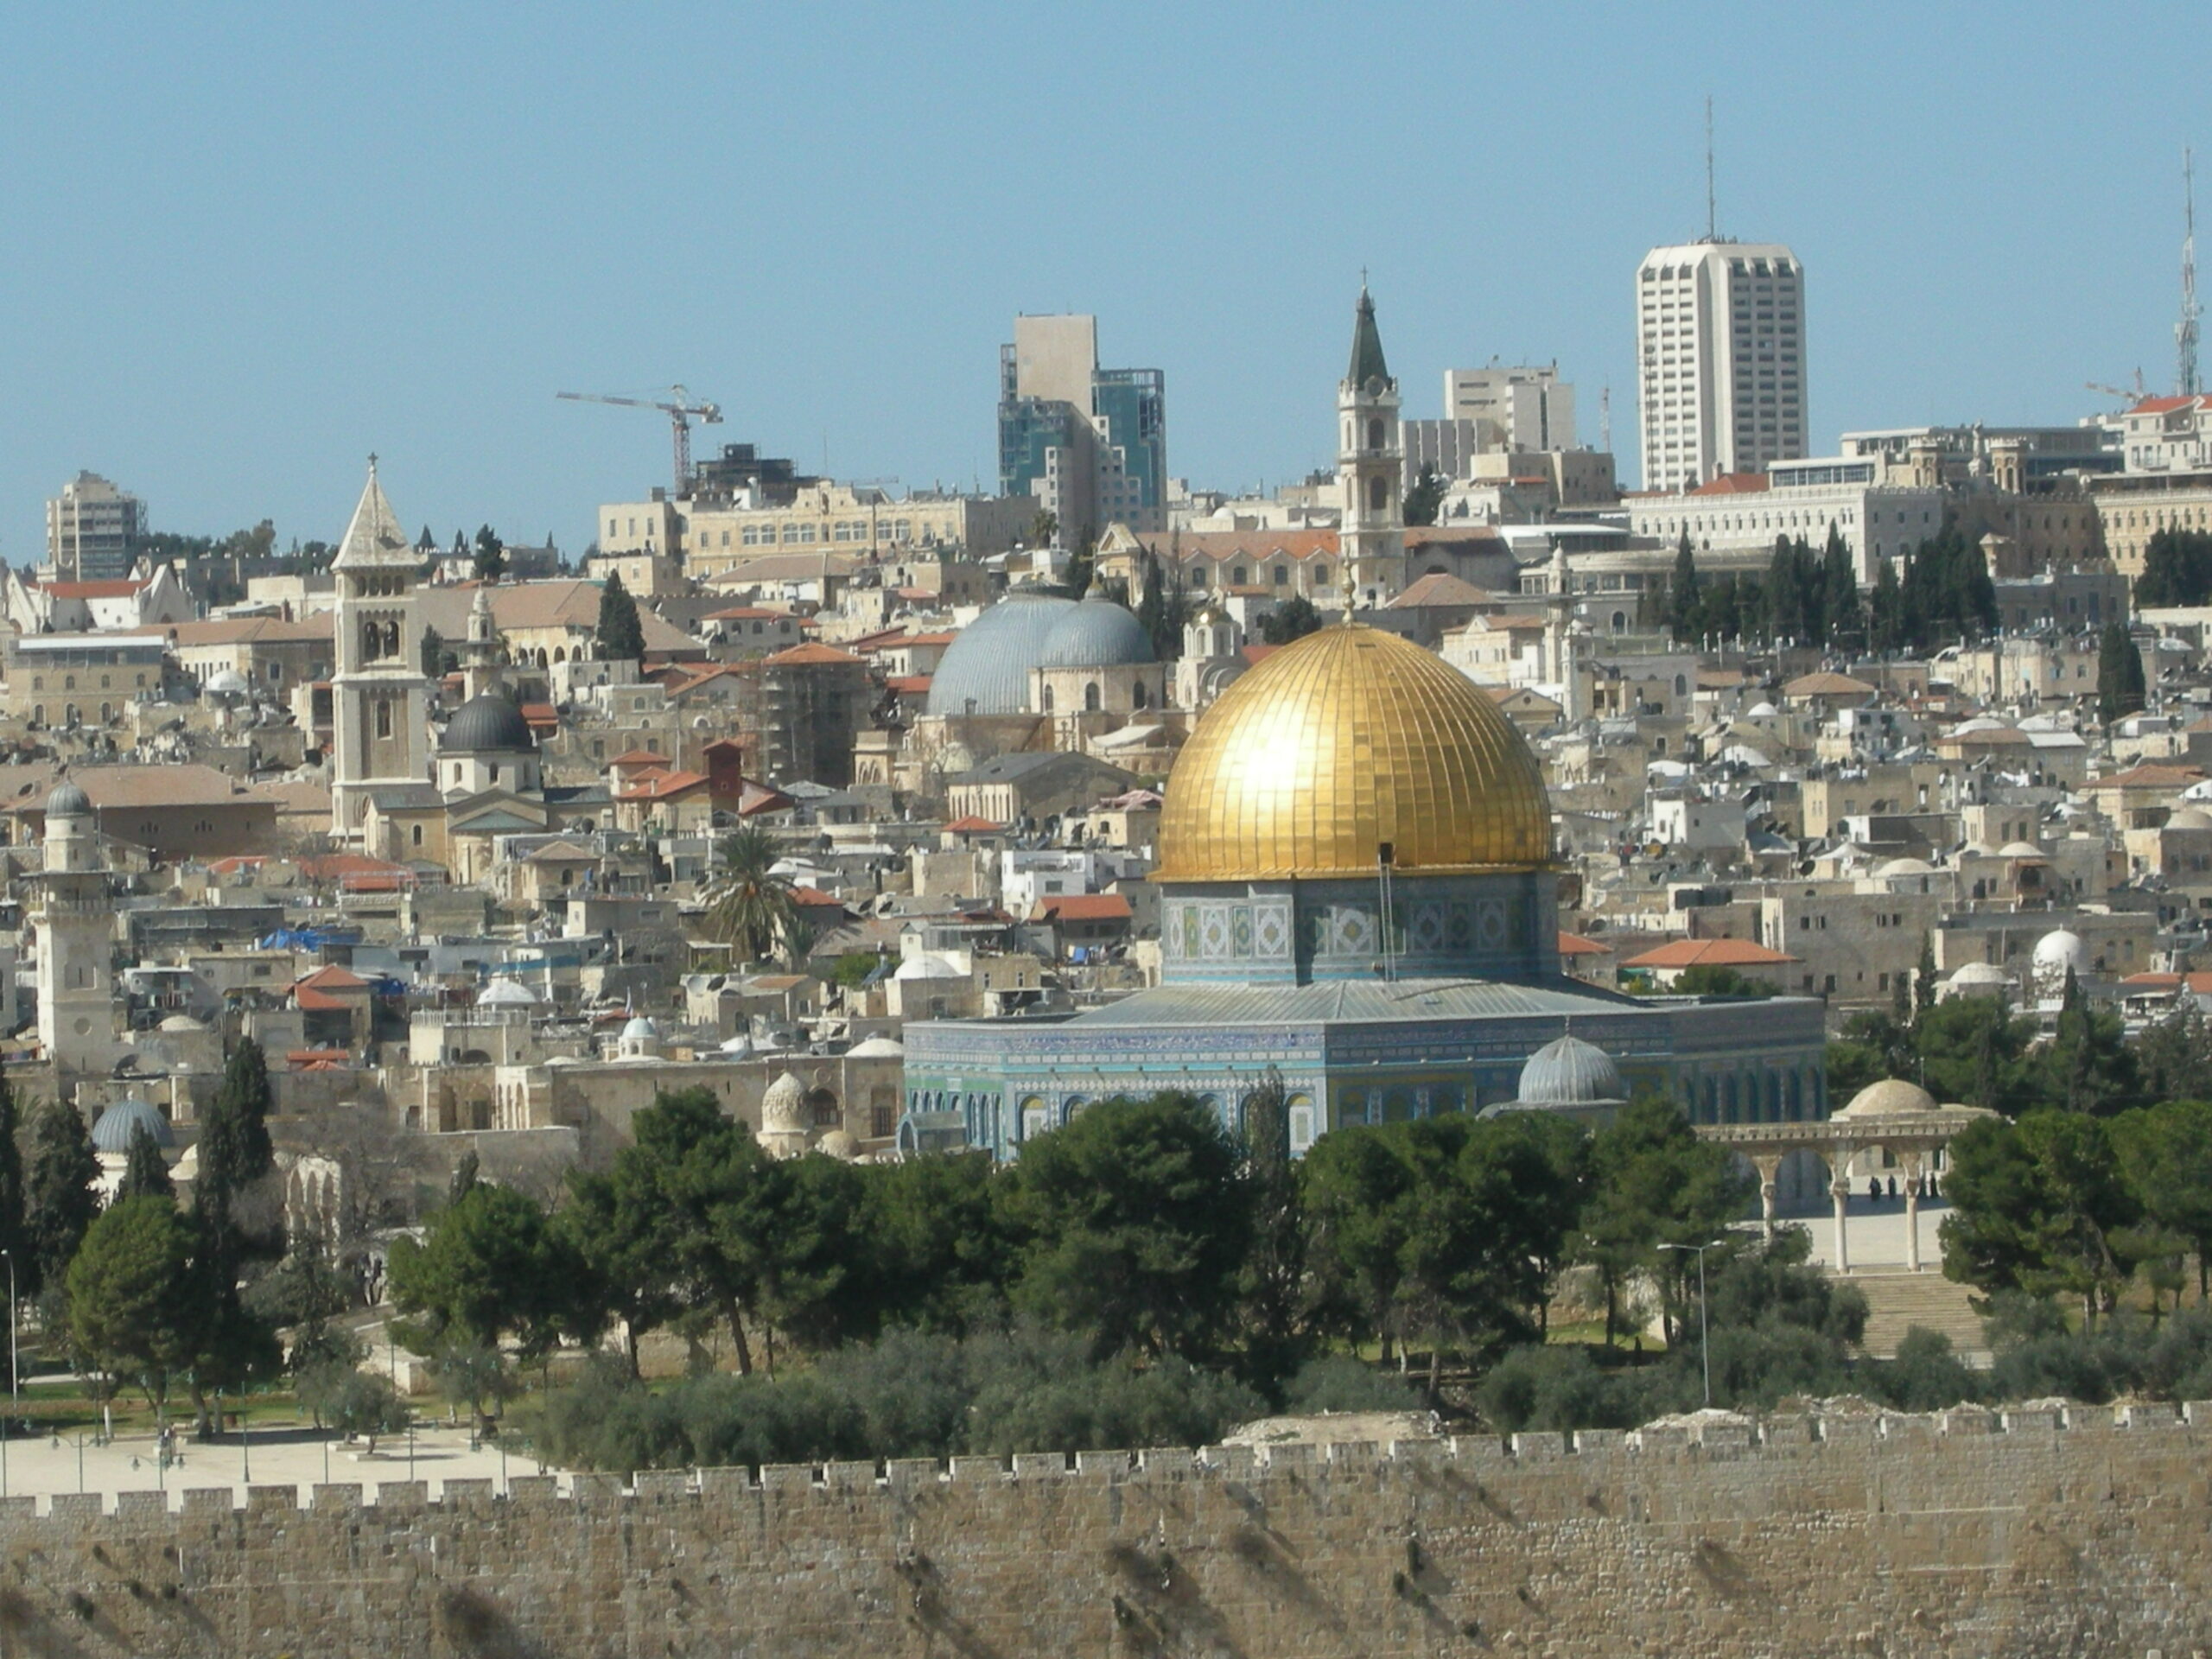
[[825, 969]]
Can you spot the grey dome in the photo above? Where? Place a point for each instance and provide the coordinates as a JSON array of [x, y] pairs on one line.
[[1096, 634], [1568, 1071], [68, 801], [121, 1122], [487, 723], [988, 665]]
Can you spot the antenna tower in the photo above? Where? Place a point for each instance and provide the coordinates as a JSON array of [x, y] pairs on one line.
[[1605, 419], [1711, 219], [2185, 330]]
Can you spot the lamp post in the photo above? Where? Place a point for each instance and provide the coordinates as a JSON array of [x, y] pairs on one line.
[[1704, 1334]]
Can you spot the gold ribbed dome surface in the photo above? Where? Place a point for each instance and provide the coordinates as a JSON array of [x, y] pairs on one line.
[[1349, 738]]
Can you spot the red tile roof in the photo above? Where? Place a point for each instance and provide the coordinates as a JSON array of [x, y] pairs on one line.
[[811, 655], [1082, 908], [1709, 953], [1733, 483], [2150, 777], [1574, 944], [972, 825], [661, 786]]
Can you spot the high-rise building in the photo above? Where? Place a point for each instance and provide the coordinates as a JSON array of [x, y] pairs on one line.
[[1526, 410], [1721, 360], [92, 530], [1090, 443], [379, 694]]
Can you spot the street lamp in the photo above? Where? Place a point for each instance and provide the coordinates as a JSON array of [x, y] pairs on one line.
[[1704, 1342]]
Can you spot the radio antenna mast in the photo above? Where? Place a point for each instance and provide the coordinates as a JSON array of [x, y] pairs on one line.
[[1711, 219], [2185, 330]]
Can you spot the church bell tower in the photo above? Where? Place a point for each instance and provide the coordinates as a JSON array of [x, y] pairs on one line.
[[1370, 467], [379, 704]]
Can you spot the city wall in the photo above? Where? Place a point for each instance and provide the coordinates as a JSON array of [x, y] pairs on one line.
[[2048, 1531]]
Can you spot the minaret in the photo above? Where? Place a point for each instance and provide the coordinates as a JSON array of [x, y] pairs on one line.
[[1371, 466], [75, 922], [479, 664], [379, 693]]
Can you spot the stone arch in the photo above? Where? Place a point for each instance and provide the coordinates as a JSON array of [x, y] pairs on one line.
[[822, 1109]]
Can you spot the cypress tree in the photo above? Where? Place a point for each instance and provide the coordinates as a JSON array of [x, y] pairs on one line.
[[620, 637], [62, 1198], [145, 1173]]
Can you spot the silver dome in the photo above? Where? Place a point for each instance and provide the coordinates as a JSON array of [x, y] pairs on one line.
[[1096, 634], [68, 801], [121, 1122], [989, 664], [1568, 1071], [486, 724]]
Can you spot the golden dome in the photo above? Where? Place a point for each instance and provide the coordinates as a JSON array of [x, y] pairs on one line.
[[1349, 738]]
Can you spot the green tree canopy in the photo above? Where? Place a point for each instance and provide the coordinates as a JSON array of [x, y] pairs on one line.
[[145, 1172], [749, 905], [1293, 619], [1654, 1182], [1136, 1222], [1426, 497], [2176, 569], [2120, 685], [492, 1267], [134, 1310]]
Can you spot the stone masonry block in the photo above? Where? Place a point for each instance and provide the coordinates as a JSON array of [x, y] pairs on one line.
[[532, 1491], [340, 1494], [1039, 1465], [1600, 1441], [405, 1497], [1101, 1466], [2196, 1413], [1967, 1419], [467, 1497], [74, 1509], [2031, 1420], [663, 1485], [976, 1470], [202, 1501], [790, 1478], [1539, 1447], [908, 1474], [2144, 1414], [1846, 1429], [725, 1485], [142, 1508], [855, 1476], [261, 1500]]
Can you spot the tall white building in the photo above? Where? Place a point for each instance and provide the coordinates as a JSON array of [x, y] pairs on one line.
[[1721, 360]]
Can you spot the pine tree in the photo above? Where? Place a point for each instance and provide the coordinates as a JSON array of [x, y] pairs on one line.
[[1923, 977], [62, 1196], [1842, 615], [1885, 621], [145, 1172], [620, 637]]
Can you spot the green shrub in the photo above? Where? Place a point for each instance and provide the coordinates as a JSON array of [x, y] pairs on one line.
[[1340, 1383]]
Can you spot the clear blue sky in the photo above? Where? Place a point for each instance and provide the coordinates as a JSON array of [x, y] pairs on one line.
[[243, 246]]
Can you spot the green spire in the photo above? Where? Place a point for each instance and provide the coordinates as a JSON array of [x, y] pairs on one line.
[[1366, 344]]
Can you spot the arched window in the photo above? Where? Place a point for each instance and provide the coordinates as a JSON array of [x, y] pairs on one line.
[[417, 836], [1137, 696], [1047, 699], [493, 771], [1375, 435], [69, 683], [1378, 494], [383, 718], [1091, 697]]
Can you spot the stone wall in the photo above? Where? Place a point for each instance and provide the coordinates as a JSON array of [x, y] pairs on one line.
[[2050, 1532]]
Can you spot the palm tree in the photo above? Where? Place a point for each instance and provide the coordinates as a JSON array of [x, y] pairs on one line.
[[749, 907]]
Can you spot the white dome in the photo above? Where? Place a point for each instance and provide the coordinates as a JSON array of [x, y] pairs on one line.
[[783, 1108], [2061, 949], [2190, 817], [840, 1145], [1904, 867], [737, 1047], [639, 1030], [227, 682], [2019, 849], [1889, 1098], [876, 1048], [508, 993], [1981, 973], [926, 964], [1761, 711], [181, 1023]]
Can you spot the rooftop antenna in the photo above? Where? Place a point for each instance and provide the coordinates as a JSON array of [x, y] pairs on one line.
[[2185, 330], [1711, 219]]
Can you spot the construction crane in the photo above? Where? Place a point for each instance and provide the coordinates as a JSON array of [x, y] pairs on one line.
[[2121, 392], [2185, 330], [680, 410]]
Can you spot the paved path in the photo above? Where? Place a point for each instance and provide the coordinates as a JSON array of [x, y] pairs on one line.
[[1878, 1234], [42, 1465]]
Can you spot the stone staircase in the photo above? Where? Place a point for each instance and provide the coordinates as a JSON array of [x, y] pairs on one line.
[[1897, 1301]]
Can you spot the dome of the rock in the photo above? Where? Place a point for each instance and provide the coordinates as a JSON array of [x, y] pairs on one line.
[[1347, 740]]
